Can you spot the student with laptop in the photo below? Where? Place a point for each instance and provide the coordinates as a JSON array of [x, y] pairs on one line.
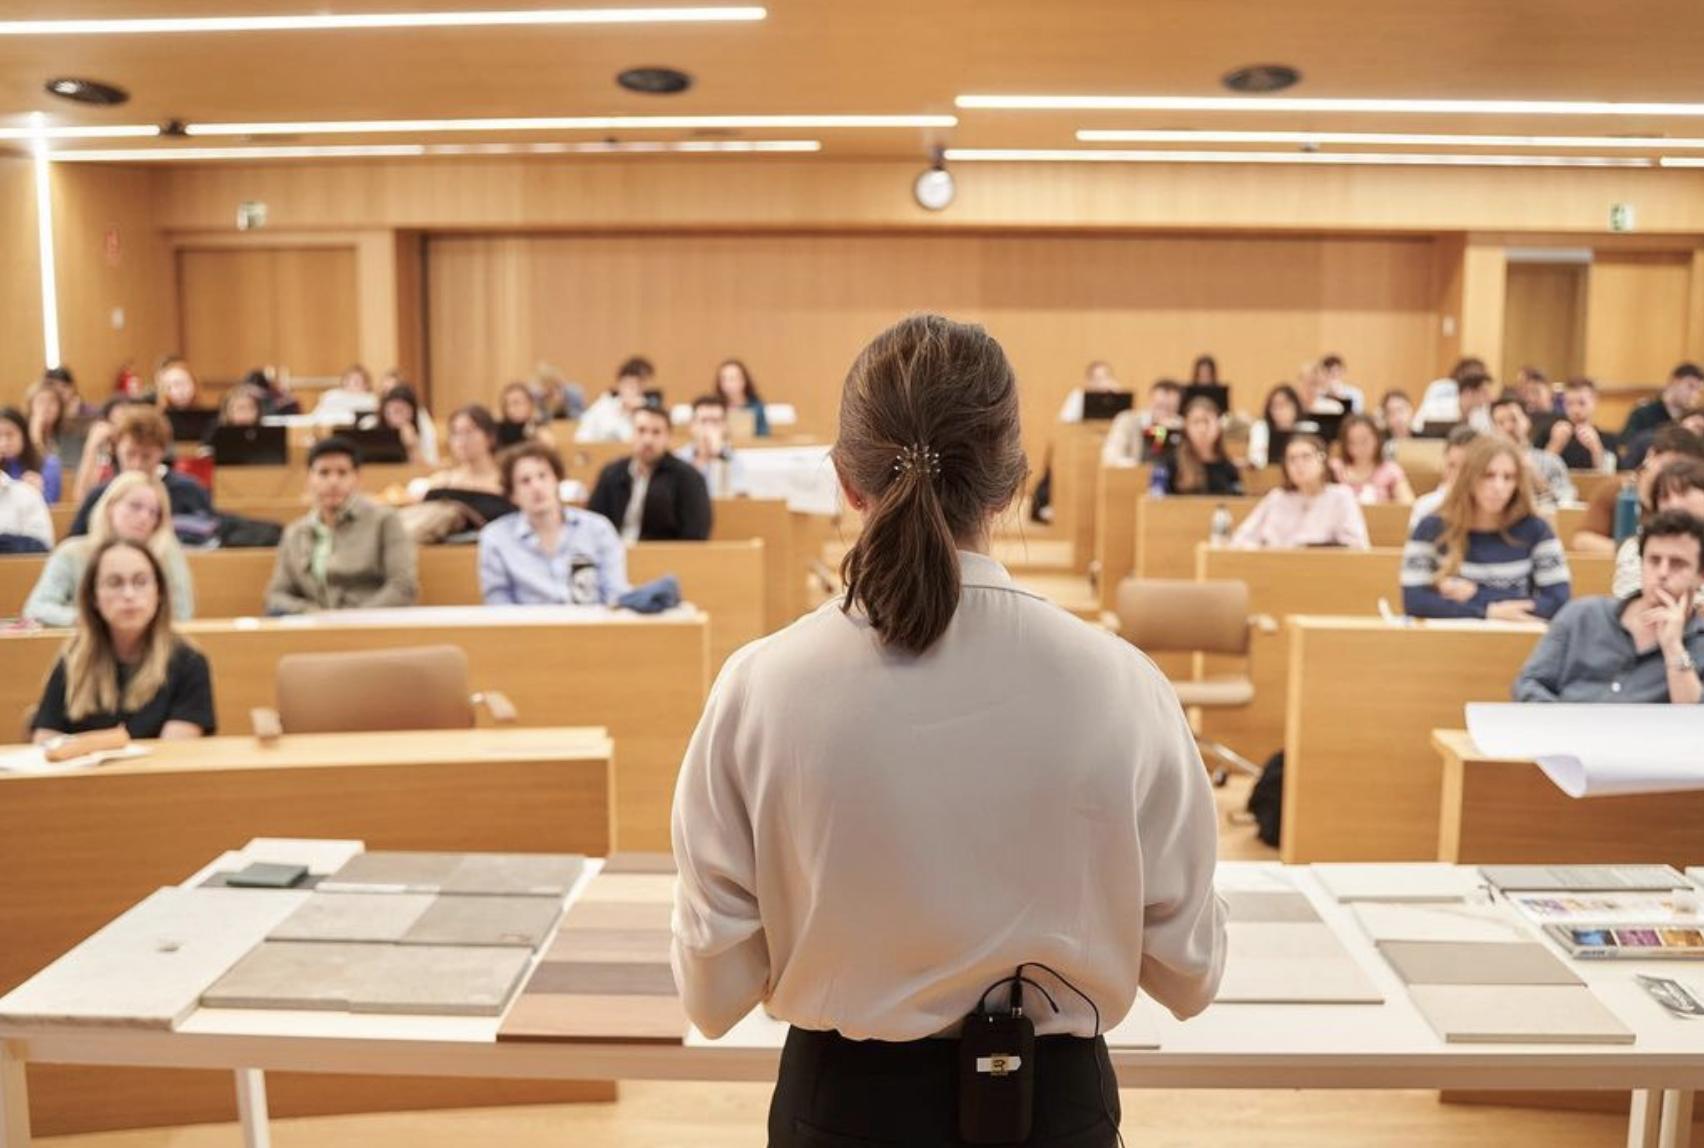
[[1644, 649], [1199, 464], [874, 828], [141, 437], [346, 553], [1279, 416], [1097, 379], [239, 439]]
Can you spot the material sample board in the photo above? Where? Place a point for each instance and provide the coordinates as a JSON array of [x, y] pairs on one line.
[[1518, 1014], [1385, 921], [1291, 963], [1377, 881], [473, 874], [443, 980], [1476, 963]]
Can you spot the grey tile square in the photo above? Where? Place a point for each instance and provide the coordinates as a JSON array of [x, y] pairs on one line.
[[354, 917], [394, 872], [526, 922], [1255, 907], [1519, 1014], [1476, 963], [295, 975], [440, 979], [515, 874]]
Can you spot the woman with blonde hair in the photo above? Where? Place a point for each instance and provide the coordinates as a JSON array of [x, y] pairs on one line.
[[1486, 553], [135, 508], [125, 666]]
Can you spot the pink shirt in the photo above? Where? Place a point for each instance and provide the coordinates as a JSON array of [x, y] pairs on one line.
[[1381, 487], [1288, 519]]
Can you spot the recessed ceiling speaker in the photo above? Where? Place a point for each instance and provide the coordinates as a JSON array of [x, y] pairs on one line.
[[655, 81], [87, 92], [1258, 79]]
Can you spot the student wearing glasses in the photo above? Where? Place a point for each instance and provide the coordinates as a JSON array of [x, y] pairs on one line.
[[1309, 509]]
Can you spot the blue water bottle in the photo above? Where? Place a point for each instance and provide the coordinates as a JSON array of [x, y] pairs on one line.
[[1626, 513], [1159, 479]]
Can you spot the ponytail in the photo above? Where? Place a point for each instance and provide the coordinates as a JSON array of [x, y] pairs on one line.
[[929, 434]]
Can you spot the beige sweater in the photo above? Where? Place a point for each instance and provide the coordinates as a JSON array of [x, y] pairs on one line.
[[372, 563]]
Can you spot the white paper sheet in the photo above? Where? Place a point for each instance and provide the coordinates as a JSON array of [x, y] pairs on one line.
[[800, 475], [1592, 750], [34, 759]]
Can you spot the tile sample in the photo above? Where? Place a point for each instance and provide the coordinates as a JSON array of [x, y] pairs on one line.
[[1386, 921], [606, 978], [617, 915], [638, 889], [1257, 907], [1284, 963], [1476, 963], [610, 945], [378, 917], [596, 1019], [390, 872], [524, 922], [441, 980], [1518, 1014], [1405, 881], [317, 975], [515, 874], [149, 968], [639, 863]]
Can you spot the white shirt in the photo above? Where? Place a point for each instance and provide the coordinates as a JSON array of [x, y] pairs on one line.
[[1426, 505], [24, 511], [606, 420], [867, 839], [633, 518]]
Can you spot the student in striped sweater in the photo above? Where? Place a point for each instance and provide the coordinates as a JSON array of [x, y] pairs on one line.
[[1485, 554]]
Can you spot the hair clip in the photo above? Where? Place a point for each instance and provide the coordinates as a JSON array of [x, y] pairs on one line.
[[918, 457]]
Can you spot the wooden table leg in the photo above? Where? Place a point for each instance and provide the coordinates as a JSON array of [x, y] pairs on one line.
[[14, 1097], [251, 1108]]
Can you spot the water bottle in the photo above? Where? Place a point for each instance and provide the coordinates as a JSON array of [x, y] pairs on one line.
[[1220, 533], [1626, 512], [1159, 479]]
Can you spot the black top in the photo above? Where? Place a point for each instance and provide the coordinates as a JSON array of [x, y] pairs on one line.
[[1222, 478], [1578, 457], [187, 497], [187, 695], [1647, 416], [677, 503]]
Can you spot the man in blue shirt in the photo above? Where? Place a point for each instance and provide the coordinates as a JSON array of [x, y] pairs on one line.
[[547, 554]]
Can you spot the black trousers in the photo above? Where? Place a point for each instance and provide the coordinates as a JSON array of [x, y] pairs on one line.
[[838, 1093]]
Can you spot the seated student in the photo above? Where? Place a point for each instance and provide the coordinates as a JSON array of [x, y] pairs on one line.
[[1677, 486], [467, 495], [1680, 394], [1456, 443], [547, 554], [135, 509], [1338, 386], [400, 410], [739, 393], [1552, 485], [175, 385], [523, 417], [125, 665], [652, 496], [1363, 467], [1642, 649], [1308, 510], [351, 398], [1596, 534], [1199, 465], [1485, 553], [244, 405], [1573, 438], [1396, 419], [1283, 410], [141, 436], [709, 453], [44, 409], [610, 418], [21, 459], [1140, 435], [1463, 396], [347, 553], [26, 527], [1097, 377]]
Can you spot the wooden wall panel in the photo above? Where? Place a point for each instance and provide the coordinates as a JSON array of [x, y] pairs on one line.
[[315, 310], [798, 308], [1544, 318], [292, 306], [1637, 314], [20, 281], [225, 299], [94, 205]]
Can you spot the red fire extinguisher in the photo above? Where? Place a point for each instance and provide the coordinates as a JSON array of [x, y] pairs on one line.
[[129, 382]]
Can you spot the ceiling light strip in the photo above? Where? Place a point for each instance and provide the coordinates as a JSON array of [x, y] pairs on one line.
[[117, 132], [44, 240], [1384, 139], [148, 155], [568, 123], [405, 151], [1326, 104], [356, 21], [1318, 159]]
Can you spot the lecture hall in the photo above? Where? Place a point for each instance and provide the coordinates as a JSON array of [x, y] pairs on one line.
[[1223, 484]]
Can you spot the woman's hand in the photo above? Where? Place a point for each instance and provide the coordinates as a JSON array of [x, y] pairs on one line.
[[1513, 610], [1457, 589]]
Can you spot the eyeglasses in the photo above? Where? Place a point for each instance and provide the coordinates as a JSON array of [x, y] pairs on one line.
[[117, 584], [1310, 456]]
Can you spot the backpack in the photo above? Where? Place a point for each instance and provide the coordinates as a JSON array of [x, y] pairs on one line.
[[1266, 800]]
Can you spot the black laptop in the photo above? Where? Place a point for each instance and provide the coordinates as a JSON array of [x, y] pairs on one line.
[[377, 444], [192, 423], [250, 446], [1099, 406], [1219, 394]]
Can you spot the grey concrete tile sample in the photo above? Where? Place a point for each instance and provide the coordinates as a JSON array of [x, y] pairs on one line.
[[1386, 921], [1261, 907], [295, 975], [394, 872], [515, 874], [1287, 963], [1518, 1014], [1476, 963], [460, 980], [526, 922], [354, 917], [149, 967]]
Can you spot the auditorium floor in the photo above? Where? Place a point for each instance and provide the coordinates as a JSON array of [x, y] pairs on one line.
[[670, 1115]]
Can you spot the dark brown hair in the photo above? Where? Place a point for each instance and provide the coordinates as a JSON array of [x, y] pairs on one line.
[[1317, 444], [1676, 477], [515, 455], [929, 434], [144, 425], [1190, 468]]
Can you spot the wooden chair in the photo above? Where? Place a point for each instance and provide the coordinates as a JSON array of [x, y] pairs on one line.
[[421, 687], [1174, 616]]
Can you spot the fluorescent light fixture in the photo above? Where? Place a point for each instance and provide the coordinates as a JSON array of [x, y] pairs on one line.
[[333, 22], [569, 123], [1681, 161], [1318, 159], [44, 239], [117, 132], [150, 155], [1385, 139], [1323, 104], [405, 151]]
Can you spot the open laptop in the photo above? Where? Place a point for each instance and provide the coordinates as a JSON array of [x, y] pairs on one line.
[[192, 424], [251, 446], [377, 444], [1099, 406], [1217, 393]]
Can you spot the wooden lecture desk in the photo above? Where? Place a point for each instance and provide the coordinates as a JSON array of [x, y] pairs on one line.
[[643, 678], [1076, 464], [1503, 810], [1243, 1046], [1313, 581], [80, 847]]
